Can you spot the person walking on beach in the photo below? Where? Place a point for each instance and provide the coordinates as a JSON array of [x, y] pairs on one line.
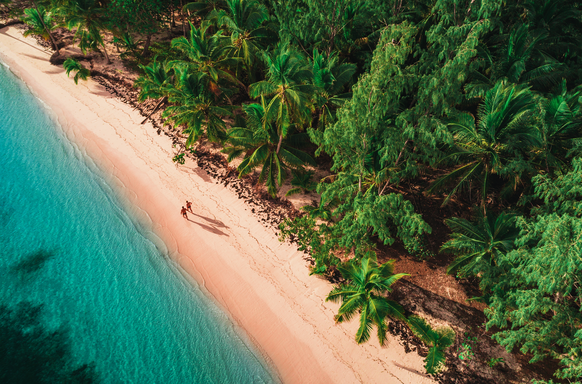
[[183, 212], [189, 206]]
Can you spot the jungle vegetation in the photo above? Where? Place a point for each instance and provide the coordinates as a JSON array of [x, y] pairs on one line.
[[476, 102]]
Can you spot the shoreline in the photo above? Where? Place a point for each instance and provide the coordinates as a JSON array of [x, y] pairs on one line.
[[262, 284]]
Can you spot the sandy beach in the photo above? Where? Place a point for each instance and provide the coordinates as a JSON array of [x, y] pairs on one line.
[[261, 283]]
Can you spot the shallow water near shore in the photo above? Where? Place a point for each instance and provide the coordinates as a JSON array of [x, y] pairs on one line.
[[93, 273]]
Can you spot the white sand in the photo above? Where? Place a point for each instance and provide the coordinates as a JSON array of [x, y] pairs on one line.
[[263, 284]]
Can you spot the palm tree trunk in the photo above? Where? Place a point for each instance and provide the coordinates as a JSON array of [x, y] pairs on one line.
[[54, 43], [105, 53], [146, 46], [164, 99], [279, 144]]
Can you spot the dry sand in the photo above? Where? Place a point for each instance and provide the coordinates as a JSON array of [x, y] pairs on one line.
[[263, 284]]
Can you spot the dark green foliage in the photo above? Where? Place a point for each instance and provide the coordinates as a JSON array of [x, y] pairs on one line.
[[479, 244], [302, 181], [495, 143]]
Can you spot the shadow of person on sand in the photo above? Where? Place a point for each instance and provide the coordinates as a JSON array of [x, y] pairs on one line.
[[209, 228], [215, 223]]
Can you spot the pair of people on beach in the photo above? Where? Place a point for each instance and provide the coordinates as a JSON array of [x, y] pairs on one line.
[[188, 208]]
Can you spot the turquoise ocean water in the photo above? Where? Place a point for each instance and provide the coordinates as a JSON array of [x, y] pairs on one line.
[[85, 295]]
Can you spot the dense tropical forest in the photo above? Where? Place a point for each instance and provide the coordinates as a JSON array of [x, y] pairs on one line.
[[476, 103]]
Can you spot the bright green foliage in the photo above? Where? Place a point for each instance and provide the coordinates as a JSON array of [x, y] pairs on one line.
[[33, 19], [194, 107], [155, 81], [438, 340], [73, 65], [540, 307], [363, 293], [208, 54], [258, 144], [501, 135], [129, 45]]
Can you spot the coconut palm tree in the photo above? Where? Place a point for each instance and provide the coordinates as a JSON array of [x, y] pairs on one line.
[[561, 128], [257, 145], [438, 340], [480, 244], [363, 293], [484, 146], [155, 83], [330, 78], [208, 54], [87, 17], [244, 19], [40, 19], [286, 89], [194, 107], [41, 24], [73, 65], [204, 8]]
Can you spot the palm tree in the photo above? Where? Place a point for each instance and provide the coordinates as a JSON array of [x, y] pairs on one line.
[[203, 8], [480, 244], [87, 18], [257, 144], [41, 23], [438, 340], [484, 146], [208, 54], [364, 293], [287, 89], [73, 65], [330, 78], [302, 181], [561, 128], [39, 18], [194, 107], [244, 20], [155, 84]]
